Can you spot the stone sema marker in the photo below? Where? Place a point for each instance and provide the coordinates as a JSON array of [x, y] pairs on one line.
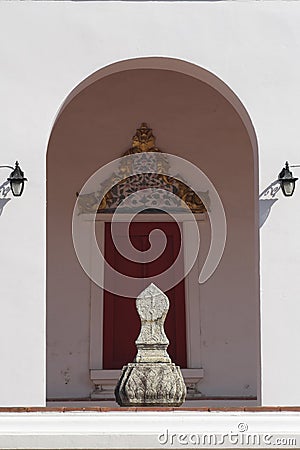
[[152, 379]]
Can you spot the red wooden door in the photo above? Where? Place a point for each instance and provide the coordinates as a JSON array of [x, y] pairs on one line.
[[121, 324]]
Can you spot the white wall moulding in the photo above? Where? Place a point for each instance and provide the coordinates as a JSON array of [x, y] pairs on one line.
[[149, 429]]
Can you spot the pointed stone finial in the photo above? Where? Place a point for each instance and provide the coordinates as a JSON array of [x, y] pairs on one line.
[[152, 306], [152, 379]]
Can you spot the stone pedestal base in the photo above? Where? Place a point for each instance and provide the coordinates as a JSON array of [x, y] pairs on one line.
[[152, 379], [150, 384]]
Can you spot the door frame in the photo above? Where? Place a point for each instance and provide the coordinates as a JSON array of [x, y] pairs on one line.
[[105, 380]]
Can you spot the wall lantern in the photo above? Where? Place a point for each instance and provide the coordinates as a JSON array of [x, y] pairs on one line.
[[287, 181], [16, 179]]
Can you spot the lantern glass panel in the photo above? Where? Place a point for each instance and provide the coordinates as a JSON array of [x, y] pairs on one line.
[[288, 187], [17, 187]]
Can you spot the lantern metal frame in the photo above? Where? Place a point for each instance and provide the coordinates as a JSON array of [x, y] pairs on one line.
[[16, 176], [286, 177]]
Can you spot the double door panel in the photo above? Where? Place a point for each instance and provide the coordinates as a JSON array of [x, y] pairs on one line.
[[121, 323]]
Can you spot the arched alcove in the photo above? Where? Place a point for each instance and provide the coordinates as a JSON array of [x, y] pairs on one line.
[[193, 115]]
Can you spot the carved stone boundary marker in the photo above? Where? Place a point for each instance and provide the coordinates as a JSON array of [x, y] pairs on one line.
[[152, 379]]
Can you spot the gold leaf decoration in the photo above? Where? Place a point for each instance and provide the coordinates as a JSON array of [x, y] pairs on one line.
[[155, 168]]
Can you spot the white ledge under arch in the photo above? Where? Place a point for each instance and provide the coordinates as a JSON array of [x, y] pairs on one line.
[[146, 429]]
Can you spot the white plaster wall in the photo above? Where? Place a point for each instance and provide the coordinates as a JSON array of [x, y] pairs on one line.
[[46, 50]]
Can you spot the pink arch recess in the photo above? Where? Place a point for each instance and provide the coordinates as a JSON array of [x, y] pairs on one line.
[[199, 73], [186, 68]]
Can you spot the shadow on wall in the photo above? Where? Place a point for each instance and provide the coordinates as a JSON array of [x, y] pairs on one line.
[[4, 190], [267, 200], [3, 202]]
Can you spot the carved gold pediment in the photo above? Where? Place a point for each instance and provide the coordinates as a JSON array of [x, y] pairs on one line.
[[155, 176]]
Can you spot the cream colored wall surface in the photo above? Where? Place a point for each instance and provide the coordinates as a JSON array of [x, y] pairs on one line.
[[48, 48]]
